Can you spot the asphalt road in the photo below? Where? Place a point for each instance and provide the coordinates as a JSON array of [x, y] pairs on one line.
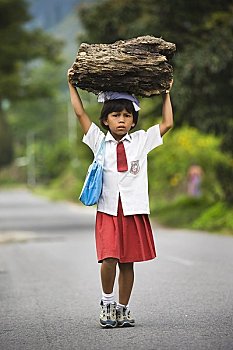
[[50, 287]]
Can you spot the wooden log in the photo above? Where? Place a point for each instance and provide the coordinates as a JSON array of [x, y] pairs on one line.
[[139, 66]]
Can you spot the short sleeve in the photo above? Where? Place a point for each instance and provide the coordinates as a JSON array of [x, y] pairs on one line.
[[153, 138], [93, 137]]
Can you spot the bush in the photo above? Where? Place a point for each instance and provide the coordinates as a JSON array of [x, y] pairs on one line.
[[169, 164], [180, 212], [51, 160], [218, 217]]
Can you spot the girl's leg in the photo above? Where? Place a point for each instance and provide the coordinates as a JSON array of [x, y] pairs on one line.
[[108, 274], [126, 280], [108, 305]]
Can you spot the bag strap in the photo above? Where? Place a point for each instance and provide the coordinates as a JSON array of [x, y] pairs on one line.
[[99, 157]]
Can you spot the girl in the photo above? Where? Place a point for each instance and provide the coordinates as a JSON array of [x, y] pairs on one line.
[[123, 231]]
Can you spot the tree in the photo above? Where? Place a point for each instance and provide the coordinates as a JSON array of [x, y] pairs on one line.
[[19, 47], [108, 21]]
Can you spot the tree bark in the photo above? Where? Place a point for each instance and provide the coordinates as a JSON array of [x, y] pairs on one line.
[[138, 66]]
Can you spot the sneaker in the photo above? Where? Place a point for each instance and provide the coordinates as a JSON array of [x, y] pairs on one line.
[[108, 315], [124, 318]]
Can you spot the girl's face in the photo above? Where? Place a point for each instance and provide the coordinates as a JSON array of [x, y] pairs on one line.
[[119, 123]]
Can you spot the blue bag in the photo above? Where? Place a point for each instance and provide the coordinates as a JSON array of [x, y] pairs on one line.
[[93, 183]]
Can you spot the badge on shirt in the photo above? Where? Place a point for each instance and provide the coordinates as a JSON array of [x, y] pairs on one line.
[[134, 169]]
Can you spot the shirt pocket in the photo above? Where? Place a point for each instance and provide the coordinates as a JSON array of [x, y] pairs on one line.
[[134, 167]]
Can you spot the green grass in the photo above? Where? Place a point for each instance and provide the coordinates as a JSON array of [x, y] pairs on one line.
[[218, 217], [196, 213], [66, 187]]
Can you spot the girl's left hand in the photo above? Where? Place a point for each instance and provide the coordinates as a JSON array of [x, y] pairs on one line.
[[171, 83]]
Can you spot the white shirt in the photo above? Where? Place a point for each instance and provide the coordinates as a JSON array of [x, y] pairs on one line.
[[131, 185]]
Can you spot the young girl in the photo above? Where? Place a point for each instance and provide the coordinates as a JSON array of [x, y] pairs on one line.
[[123, 231]]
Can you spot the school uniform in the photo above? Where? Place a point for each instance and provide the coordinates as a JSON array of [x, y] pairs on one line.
[[123, 230]]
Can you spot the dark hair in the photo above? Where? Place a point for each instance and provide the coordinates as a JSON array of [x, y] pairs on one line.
[[117, 105]]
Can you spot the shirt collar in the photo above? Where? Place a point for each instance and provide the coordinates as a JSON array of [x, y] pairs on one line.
[[109, 137]]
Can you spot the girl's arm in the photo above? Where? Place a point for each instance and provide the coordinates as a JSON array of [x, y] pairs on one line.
[[167, 114], [83, 118]]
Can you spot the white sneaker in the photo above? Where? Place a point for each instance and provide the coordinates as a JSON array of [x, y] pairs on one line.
[[108, 315], [124, 318]]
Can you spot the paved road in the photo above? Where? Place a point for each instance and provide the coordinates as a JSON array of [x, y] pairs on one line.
[[49, 284]]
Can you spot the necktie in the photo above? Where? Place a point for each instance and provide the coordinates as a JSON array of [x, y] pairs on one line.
[[121, 157]]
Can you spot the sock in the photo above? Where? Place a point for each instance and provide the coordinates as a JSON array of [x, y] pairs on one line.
[[108, 298], [121, 305]]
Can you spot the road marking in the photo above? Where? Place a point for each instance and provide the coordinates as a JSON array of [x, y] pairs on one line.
[[179, 260]]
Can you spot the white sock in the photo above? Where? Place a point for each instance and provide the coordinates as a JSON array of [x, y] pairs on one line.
[[121, 305], [108, 298]]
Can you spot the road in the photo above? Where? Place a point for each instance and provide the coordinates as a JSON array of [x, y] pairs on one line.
[[50, 287]]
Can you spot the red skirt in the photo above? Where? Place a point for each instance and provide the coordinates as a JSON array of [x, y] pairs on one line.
[[126, 238]]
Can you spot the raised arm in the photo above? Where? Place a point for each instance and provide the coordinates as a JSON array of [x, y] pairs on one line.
[[77, 104], [167, 114]]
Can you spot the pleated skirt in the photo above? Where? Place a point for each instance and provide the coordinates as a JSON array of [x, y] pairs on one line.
[[126, 238]]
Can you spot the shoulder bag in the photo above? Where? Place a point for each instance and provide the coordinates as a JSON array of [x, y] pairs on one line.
[[93, 183]]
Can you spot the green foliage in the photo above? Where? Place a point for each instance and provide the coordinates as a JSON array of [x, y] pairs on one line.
[[168, 169], [181, 212], [106, 21], [65, 187], [51, 160], [217, 217], [182, 148], [6, 149], [204, 85], [19, 47], [46, 113], [196, 213], [179, 21]]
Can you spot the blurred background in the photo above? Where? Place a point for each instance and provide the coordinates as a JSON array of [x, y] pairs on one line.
[[191, 175]]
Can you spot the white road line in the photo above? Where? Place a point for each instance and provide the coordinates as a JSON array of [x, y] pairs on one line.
[[179, 260]]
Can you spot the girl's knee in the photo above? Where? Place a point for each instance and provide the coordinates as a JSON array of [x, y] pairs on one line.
[[110, 261], [126, 266]]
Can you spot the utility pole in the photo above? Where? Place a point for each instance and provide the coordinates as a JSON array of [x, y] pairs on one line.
[[31, 163]]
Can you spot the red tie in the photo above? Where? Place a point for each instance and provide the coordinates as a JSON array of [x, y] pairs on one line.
[[121, 157]]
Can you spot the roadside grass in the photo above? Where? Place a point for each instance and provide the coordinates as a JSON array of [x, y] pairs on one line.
[[10, 183], [66, 187], [197, 214], [218, 216]]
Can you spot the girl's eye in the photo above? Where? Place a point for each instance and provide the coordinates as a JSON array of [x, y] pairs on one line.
[[116, 115]]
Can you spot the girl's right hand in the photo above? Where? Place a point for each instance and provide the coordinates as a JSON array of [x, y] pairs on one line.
[[70, 72]]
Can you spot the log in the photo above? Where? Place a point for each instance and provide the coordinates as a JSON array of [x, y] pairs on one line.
[[139, 66]]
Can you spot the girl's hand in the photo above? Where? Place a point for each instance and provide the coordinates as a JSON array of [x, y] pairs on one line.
[[167, 91], [167, 112], [70, 73], [171, 83]]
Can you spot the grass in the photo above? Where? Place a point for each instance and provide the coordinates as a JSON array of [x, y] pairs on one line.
[[196, 213], [66, 187]]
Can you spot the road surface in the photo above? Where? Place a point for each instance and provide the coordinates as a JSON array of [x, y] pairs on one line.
[[50, 287]]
